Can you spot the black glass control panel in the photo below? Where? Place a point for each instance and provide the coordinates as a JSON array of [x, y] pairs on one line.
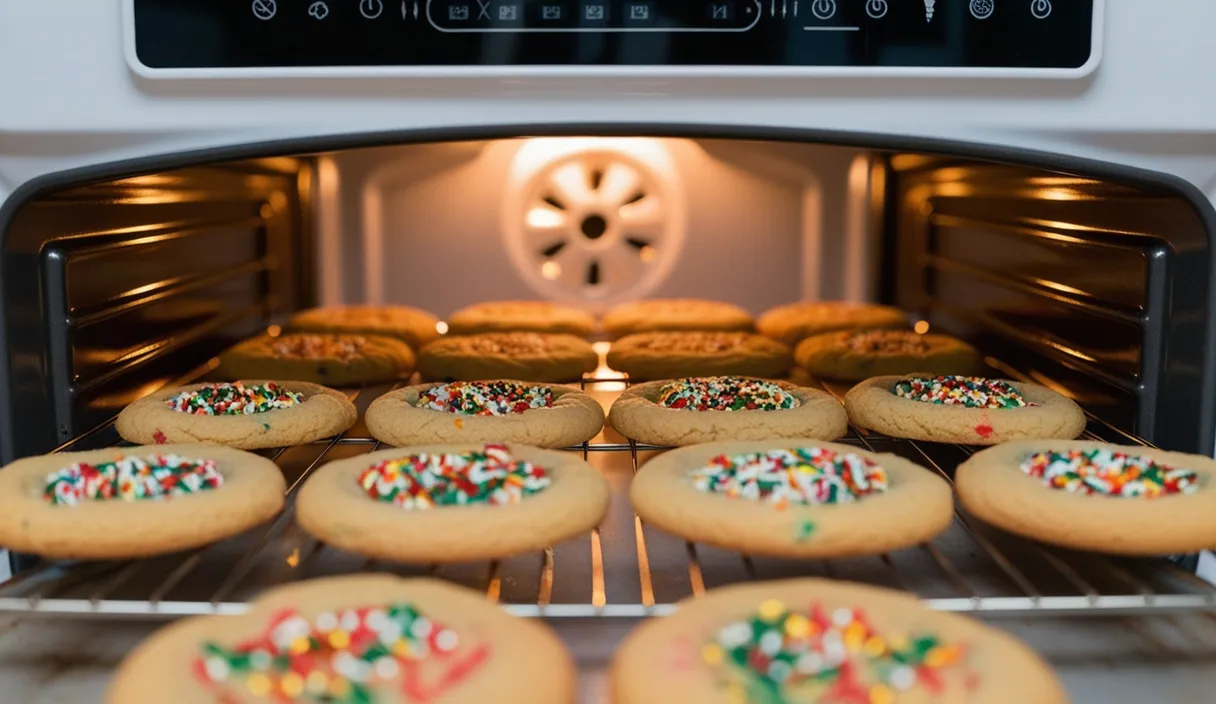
[[1000, 34]]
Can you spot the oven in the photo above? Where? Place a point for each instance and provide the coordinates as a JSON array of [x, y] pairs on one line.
[[1032, 176]]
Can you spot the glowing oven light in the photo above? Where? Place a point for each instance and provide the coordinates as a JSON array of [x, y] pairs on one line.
[[551, 270], [441, 328], [921, 327], [648, 254]]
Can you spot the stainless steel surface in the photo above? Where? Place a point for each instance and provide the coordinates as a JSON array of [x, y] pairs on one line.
[[624, 569]]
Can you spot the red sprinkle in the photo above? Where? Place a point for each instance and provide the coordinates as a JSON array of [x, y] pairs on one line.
[[984, 430], [160, 438]]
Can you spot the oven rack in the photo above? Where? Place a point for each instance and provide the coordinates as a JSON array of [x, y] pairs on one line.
[[623, 569]]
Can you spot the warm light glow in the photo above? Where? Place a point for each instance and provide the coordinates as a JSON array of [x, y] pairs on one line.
[[603, 371], [545, 217], [293, 560], [274, 330], [441, 328], [921, 327], [551, 270], [648, 254]]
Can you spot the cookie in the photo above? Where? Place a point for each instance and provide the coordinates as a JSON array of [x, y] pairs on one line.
[[792, 498], [717, 409], [365, 639], [247, 415], [521, 316], [856, 355], [670, 355], [960, 409], [485, 411], [336, 360], [818, 640], [129, 502], [1092, 496], [527, 356], [795, 322], [412, 326], [675, 314], [452, 503]]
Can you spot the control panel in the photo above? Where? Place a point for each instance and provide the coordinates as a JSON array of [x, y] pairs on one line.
[[941, 34]]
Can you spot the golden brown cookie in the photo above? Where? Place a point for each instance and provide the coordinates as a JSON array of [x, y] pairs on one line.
[[521, 316], [718, 409], [452, 503], [675, 314], [247, 415], [792, 498], [527, 356], [856, 355], [794, 322], [129, 502], [818, 640], [334, 360], [670, 355], [958, 409], [372, 639], [412, 326], [1092, 496], [485, 411]]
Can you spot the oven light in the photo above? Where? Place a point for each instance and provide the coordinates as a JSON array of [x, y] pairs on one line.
[[441, 328], [647, 254], [551, 270], [545, 217], [921, 327], [274, 331]]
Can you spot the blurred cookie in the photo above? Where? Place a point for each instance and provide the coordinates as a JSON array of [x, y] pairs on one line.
[[849, 355], [675, 314], [795, 322], [526, 356], [521, 316], [330, 359], [670, 355], [413, 326]]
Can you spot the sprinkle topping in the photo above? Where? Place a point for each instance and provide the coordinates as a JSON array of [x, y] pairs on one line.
[[1109, 473], [510, 344], [485, 398], [131, 479], [968, 391], [344, 348], [887, 342], [234, 399], [725, 393], [839, 658], [427, 480], [694, 342], [341, 657], [804, 475]]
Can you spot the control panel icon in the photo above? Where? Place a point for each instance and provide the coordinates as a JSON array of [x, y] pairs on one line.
[[508, 13], [825, 9], [982, 9], [265, 9], [877, 9], [371, 9], [639, 12], [458, 13], [1041, 9], [318, 10], [551, 12], [594, 12], [719, 12]]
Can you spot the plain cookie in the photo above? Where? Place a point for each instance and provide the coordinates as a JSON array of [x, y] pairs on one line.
[[675, 314], [372, 639], [413, 326], [336, 360], [452, 503], [818, 640], [129, 502], [717, 409], [850, 355], [792, 498], [795, 322], [494, 411], [1125, 500], [247, 415], [528, 356], [521, 316], [965, 410], [670, 355]]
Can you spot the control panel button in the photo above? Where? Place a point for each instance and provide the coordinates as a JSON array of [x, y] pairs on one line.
[[318, 10], [265, 9], [1041, 9], [371, 9], [595, 12], [877, 9], [982, 9], [824, 9]]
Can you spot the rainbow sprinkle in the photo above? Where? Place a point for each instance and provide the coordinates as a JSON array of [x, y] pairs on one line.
[[1109, 473], [804, 475], [426, 480], [725, 393], [485, 398], [131, 479], [968, 391], [234, 399]]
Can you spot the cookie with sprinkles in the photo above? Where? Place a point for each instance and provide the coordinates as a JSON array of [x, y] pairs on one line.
[[962, 409], [365, 639], [528, 356], [319, 358], [541, 415], [792, 498], [452, 503], [651, 356], [130, 502], [793, 322], [1123, 500], [716, 409], [816, 640], [247, 415], [675, 314], [413, 326], [857, 355]]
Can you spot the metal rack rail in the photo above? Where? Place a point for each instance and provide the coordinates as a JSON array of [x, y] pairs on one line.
[[623, 569]]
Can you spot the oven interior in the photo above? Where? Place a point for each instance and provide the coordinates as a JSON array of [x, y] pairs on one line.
[[1097, 287]]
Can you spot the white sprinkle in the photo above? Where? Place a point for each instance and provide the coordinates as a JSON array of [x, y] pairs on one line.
[[810, 664], [771, 642], [842, 617], [903, 678], [217, 669], [327, 622], [386, 668], [446, 641], [734, 635], [421, 627]]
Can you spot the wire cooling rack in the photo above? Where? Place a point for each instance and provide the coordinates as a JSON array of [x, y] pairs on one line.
[[623, 569]]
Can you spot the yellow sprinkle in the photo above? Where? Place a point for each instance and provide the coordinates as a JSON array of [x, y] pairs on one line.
[[712, 654], [854, 637], [898, 643], [942, 656], [402, 648], [882, 694], [339, 640], [875, 646], [259, 684], [797, 626], [300, 645], [292, 685], [771, 610]]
